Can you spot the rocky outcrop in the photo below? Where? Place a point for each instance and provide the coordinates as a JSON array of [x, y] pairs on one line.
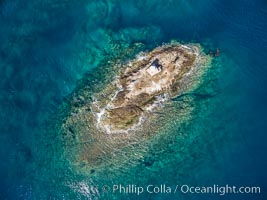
[[160, 72]]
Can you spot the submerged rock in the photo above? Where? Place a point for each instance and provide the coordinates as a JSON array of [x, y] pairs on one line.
[[124, 113]]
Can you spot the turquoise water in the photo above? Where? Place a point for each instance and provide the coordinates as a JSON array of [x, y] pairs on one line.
[[46, 47]]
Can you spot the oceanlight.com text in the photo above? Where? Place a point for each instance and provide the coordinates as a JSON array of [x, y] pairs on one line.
[[221, 190]]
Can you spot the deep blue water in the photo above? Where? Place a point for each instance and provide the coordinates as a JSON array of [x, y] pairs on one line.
[[47, 46]]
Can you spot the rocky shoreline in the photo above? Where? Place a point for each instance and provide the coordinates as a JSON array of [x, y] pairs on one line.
[[133, 107]]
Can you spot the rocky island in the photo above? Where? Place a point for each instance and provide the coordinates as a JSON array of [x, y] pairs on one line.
[[162, 72], [126, 111]]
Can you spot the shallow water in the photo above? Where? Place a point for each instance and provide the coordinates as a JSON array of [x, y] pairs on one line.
[[46, 47]]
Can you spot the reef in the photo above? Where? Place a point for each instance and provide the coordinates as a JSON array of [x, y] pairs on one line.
[[125, 111]]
